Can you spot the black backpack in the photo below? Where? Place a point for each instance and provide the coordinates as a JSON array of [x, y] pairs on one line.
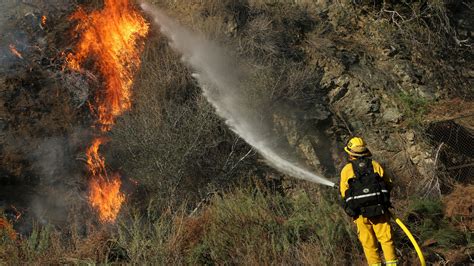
[[367, 194]]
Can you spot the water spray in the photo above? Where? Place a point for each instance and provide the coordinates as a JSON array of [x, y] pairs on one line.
[[221, 85]]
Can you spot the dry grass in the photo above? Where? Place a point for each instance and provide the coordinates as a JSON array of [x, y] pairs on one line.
[[241, 227], [459, 208], [277, 230]]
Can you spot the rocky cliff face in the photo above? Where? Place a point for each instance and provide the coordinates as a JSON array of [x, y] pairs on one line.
[[379, 85]]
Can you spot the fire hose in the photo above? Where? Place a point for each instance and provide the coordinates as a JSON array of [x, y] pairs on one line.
[[412, 239], [407, 233]]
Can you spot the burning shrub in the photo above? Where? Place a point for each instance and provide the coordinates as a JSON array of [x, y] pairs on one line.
[[6, 230], [112, 38]]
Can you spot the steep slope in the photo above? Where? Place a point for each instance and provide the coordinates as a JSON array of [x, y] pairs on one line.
[[399, 75]]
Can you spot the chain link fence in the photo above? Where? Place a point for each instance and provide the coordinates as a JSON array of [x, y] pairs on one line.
[[454, 142]]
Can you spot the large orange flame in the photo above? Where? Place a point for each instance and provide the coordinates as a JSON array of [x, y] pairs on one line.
[[111, 35], [105, 193], [112, 38]]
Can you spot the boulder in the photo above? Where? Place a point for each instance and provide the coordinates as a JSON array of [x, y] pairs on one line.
[[392, 115]]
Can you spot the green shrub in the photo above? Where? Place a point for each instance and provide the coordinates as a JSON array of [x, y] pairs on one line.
[[414, 107], [428, 221]]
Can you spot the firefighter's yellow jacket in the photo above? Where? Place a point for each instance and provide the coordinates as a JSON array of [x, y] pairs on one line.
[[371, 230]]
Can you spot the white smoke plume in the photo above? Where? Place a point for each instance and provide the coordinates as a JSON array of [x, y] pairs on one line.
[[222, 83], [54, 161]]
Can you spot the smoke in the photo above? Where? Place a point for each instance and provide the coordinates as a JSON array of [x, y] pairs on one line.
[[222, 85], [54, 162], [9, 35], [51, 185], [20, 26]]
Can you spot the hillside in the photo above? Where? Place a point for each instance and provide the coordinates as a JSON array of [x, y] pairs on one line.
[[313, 73]]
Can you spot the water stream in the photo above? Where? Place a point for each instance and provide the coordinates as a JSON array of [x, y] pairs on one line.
[[222, 83]]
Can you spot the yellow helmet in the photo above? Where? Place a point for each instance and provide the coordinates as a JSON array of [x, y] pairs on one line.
[[356, 147]]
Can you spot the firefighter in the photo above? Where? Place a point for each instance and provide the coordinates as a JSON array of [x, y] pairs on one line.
[[366, 193]]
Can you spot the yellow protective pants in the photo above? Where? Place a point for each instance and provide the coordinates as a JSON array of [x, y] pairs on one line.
[[371, 230]]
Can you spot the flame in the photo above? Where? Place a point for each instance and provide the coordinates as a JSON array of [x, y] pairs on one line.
[[15, 51], [43, 20], [113, 38], [105, 193], [111, 35], [17, 213], [7, 228]]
